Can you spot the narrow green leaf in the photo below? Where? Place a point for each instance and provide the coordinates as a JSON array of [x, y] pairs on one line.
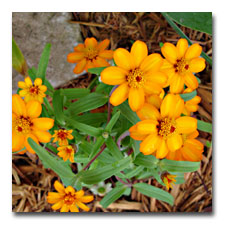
[[148, 161], [135, 172], [178, 166], [112, 122], [179, 178], [74, 93], [87, 103], [96, 175], [57, 103], [156, 175], [154, 192], [92, 119], [97, 70], [113, 195], [113, 148], [100, 141], [204, 126], [43, 63], [136, 147], [188, 96]]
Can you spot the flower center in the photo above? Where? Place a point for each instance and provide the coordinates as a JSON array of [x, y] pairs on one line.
[[91, 53], [181, 66], [69, 198], [135, 78], [69, 150], [23, 125], [166, 127], [62, 135], [34, 90], [101, 190]]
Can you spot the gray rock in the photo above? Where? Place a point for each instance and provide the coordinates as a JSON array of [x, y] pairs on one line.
[[32, 31]]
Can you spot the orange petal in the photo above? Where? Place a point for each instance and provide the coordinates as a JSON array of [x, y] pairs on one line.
[[17, 141], [22, 85], [79, 47], [169, 51], [79, 194], [119, 95], [147, 126], [87, 198], [65, 208], [80, 66], [107, 54], [28, 81], [174, 142], [43, 123], [75, 57], [149, 144], [57, 205], [186, 124], [139, 51], [82, 206], [103, 45], [152, 88], [100, 62], [73, 208], [193, 51], [182, 46], [154, 100], [18, 105], [193, 135], [136, 98], [176, 84], [152, 63], [162, 149], [33, 109], [157, 77], [59, 187], [42, 136], [123, 59], [38, 81], [197, 65], [28, 147], [191, 81], [90, 43], [148, 111], [135, 134]]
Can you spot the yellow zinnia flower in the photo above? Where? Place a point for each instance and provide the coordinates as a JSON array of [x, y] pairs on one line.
[[180, 64], [169, 180], [137, 75], [61, 136], [25, 123], [90, 55], [32, 91], [161, 132], [191, 105], [191, 150], [66, 152], [67, 199]]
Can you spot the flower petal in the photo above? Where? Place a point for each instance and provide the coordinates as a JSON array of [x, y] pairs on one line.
[[148, 111], [176, 84], [79, 194], [80, 66], [90, 43], [73, 208], [182, 46], [154, 100], [42, 136], [59, 187], [82, 206], [193, 51], [162, 150], [33, 109], [100, 62], [18, 105], [38, 81], [139, 51], [65, 208], [147, 126], [57, 205], [43, 123], [87, 198], [157, 77], [23, 93], [119, 95], [191, 81], [169, 51], [136, 98], [79, 47], [28, 147], [106, 54], [197, 65], [75, 57], [174, 142], [186, 124], [113, 75], [28, 81], [123, 59], [17, 141], [149, 144], [152, 63], [135, 134], [152, 88], [22, 85], [103, 45]]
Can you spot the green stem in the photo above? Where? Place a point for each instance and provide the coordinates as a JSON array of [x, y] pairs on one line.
[[180, 32]]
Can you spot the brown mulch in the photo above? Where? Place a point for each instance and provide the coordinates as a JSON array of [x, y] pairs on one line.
[[31, 181]]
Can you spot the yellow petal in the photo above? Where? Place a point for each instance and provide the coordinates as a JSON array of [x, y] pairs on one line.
[[17, 141], [28, 147], [197, 65], [87, 198], [186, 124], [193, 51], [73, 208], [162, 150], [191, 81], [135, 134], [80, 66], [18, 105], [149, 144], [75, 57], [69, 190], [42, 136], [33, 109], [82, 206], [107, 54], [79, 194], [57, 205], [90, 43], [22, 85], [182, 46], [139, 51], [136, 98], [54, 197], [154, 100], [157, 77], [38, 81], [43, 123], [59, 187], [43, 88], [65, 208], [103, 45], [119, 95], [28, 81], [147, 126], [100, 62], [23, 93], [169, 51], [123, 59], [148, 111], [152, 63], [177, 84], [193, 134], [174, 142], [152, 88]]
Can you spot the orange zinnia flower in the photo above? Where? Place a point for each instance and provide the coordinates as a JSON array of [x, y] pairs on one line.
[[191, 105], [66, 152], [25, 123], [137, 75], [180, 64], [169, 180], [67, 199], [161, 132], [191, 150], [32, 91], [90, 54], [61, 136]]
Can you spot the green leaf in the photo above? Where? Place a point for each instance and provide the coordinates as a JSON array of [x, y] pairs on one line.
[[204, 126], [134, 172], [156, 175], [136, 147], [74, 93], [84, 127], [178, 166], [92, 119], [18, 61], [56, 164], [57, 103], [154, 192], [112, 122], [87, 103], [113, 148], [100, 141], [128, 113], [200, 21], [43, 63], [179, 178], [188, 96], [113, 195], [97, 70], [96, 175], [148, 161]]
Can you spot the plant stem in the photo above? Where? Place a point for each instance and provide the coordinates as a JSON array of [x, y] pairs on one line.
[[121, 181], [180, 32]]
